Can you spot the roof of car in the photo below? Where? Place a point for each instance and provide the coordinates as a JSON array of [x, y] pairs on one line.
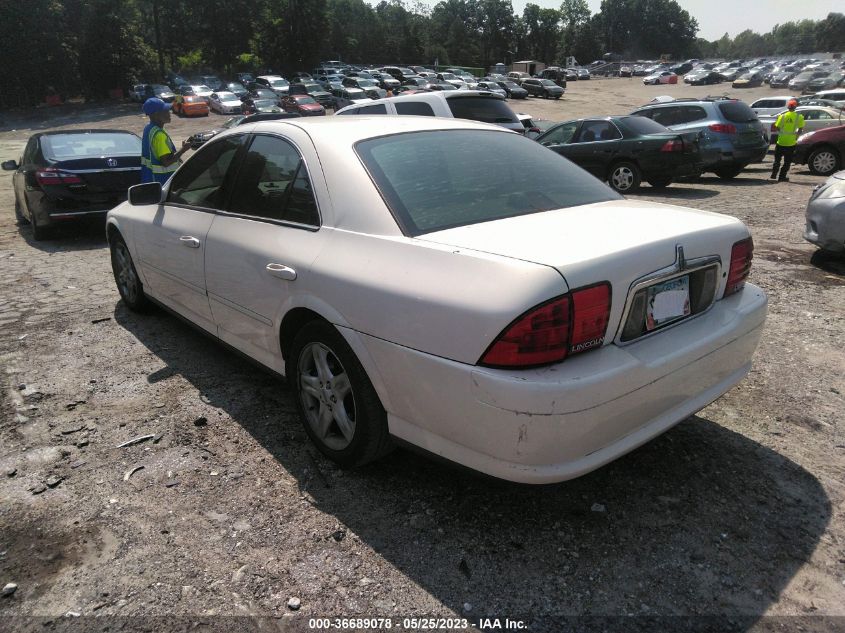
[[349, 130]]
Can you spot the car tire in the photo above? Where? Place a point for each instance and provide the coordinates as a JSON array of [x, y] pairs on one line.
[[19, 213], [823, 161], [660, 183], [728, 173], [39, 231], [624, 177], [126, 277], [337, 403]]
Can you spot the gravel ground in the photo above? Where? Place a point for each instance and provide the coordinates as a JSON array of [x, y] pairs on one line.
[[734, 514]]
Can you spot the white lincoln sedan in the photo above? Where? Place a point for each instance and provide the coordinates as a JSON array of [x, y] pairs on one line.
[[449, 284]]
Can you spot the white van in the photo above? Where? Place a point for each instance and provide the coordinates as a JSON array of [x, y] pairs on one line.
[[476, 105], [834, 94]]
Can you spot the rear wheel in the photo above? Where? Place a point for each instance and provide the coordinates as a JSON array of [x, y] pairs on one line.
[[624, 177], [126, 277], [727, 173], [823, 161], [39, 231], [339, 407]]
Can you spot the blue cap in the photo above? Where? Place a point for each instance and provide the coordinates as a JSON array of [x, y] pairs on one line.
[[153, 105]]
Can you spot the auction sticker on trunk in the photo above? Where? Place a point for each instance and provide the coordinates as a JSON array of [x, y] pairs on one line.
[[667, 302]]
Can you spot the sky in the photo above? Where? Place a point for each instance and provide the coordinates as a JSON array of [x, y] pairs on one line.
[[716, 17]]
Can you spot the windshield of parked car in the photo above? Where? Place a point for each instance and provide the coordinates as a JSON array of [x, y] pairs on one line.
[[201, 88], [279, 83], [737, 112], [90, 144], [264, 103], [447, 76], [548, 82], [233, 122], [436, 180], [160, 88], [511, 85], [367, 83], [301, 99], [227, 96], [236, 87]]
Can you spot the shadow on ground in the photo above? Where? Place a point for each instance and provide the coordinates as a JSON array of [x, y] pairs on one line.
[[702, 520], [73, 236]]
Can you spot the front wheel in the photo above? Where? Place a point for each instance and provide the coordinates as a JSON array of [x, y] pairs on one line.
[[624, 177], [19, 213], [660, 183], [823, 161], [338, 405], [126, 277]]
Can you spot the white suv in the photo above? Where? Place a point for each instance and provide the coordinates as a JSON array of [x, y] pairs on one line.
[[771, 105], [476, 105]]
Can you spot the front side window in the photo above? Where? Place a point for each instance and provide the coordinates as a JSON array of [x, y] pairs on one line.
[[436, 180], [202, 181], [273, 183]]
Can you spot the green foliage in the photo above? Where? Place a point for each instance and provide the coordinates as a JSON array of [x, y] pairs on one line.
[[91, 46]]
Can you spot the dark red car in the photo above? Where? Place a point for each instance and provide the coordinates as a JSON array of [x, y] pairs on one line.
[[304, 105], [823, 151]]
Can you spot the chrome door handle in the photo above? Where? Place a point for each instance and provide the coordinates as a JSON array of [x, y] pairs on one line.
[[190, 242], [281, 271]]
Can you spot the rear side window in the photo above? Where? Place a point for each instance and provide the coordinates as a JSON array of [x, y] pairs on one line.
[[373, 109], [688, 114], [737, 112], [273, 183], [417, 108], [482, 109], [441, 179]]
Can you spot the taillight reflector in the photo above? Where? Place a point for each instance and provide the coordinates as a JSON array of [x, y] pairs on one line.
[[675, 145], [741, 255], [723, 128], [53, 176], [548, 333]]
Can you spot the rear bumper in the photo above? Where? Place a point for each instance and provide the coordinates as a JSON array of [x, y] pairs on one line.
[[49, 212], [556, 423], [728, 155]]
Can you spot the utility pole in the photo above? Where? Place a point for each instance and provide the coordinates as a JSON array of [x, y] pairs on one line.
[[159, 50]]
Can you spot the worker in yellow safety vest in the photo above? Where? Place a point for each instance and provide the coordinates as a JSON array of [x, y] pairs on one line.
[[159, 158], [789, 126]]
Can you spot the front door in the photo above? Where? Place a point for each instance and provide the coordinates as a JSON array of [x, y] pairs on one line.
[[171, 245]]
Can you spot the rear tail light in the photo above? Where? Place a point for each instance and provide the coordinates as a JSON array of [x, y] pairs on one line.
[[53, 176], [773, 128], [723, 128], [741, 256], [549, 332], [675, 145]]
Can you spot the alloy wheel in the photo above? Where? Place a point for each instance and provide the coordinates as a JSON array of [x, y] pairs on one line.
[[622, 178], [326, 395], [127, 278], [824, 162]]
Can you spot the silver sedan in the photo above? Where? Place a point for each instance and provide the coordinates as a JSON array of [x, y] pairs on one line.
[[826, 215]]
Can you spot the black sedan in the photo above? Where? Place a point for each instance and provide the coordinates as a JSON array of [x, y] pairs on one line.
[[262, 94], [545, 88], [514, 90], [73, 175], [626, 150], [703, 78], [200, 138]]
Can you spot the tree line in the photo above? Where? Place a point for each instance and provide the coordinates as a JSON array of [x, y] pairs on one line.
[[90, 47]]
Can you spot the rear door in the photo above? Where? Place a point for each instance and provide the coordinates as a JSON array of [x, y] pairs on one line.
[[170, 240], [260, 250]]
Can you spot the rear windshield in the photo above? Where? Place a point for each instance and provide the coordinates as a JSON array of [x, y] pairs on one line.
[[485, 109], [436, 180], [737, 112], [643, 125], [65, 146]]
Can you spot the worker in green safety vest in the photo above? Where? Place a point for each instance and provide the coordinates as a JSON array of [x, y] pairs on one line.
[[789, 126]]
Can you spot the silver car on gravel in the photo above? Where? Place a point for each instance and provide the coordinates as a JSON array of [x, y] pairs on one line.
[[826, 215]]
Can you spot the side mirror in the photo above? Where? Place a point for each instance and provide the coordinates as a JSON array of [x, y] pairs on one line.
[[9, 165], [146, 193]]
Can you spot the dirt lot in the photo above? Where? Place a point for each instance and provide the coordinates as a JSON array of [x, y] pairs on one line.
[[735, 514]]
